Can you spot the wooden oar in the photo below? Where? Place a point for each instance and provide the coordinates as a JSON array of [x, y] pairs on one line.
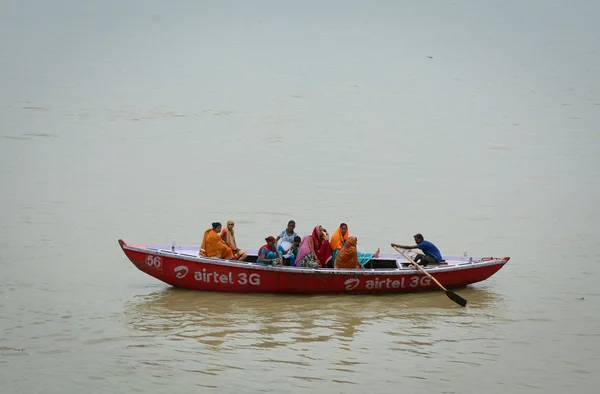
[[453, 296]]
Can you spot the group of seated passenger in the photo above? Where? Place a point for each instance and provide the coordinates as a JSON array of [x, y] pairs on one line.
[[341, 241], [221, 243], [315, 250]]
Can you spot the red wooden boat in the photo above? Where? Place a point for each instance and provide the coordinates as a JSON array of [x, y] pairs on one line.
[[389, 273]]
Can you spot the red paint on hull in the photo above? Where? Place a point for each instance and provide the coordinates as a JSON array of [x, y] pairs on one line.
[[196, 273]]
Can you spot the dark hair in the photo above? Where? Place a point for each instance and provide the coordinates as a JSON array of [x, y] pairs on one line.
[[297, 239], [270, 238], [343, 224], [419, 236], [215, 225], [291, 222]]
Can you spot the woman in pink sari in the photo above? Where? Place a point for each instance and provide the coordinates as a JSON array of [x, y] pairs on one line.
[[306, 257]]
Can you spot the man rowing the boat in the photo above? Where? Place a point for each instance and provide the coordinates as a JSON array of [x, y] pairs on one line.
[[432, 253]]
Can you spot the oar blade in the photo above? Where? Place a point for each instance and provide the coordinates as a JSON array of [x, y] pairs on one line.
[[456, 298]]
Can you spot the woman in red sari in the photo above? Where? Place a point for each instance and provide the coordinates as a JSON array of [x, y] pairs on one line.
[[319, 240]]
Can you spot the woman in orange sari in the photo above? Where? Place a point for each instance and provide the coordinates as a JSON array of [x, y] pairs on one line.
[[347, 258], [340, 237], [228, 236], [213, 245]]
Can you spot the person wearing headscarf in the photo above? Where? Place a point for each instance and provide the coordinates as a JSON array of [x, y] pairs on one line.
[[340, 237], [306, 257], [347, 258], [213, 245], [320, 245], [228, 236]]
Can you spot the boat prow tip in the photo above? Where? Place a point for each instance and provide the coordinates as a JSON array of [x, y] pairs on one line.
[[121, 243]]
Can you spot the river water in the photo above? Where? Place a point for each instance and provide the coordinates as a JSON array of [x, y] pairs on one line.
[[476, 124]]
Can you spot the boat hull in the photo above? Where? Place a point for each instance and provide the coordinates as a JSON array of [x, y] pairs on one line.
[[198, 273]]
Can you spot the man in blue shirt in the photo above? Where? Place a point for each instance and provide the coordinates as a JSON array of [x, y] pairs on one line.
[[432, 253]]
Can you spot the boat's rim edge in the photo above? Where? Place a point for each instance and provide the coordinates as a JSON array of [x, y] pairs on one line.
[[253, 266]]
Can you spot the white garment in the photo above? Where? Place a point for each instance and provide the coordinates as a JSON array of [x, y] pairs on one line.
[[285, 245]]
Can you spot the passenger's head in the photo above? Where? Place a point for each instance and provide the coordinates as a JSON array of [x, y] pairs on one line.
[[291, 225], [270, 240], [323, 232], [418, 238], [230, 225], [216, 226], [351, 241], [344, 228], [297, 240]]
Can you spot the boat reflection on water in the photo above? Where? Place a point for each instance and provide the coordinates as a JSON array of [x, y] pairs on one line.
[[225, 320]]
